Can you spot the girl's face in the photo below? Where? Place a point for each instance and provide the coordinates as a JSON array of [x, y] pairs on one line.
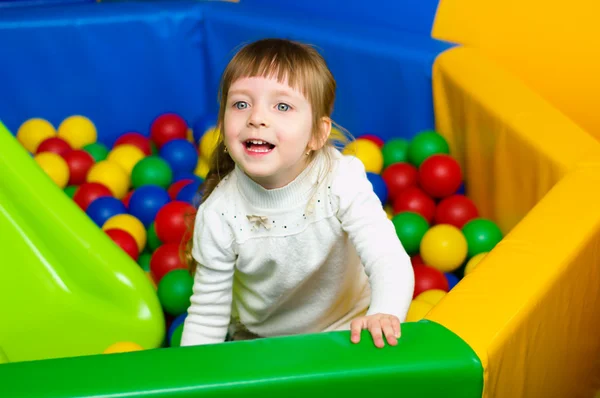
[[268, 130]]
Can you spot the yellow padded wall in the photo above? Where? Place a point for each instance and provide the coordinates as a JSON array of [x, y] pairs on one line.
[[530, 308]]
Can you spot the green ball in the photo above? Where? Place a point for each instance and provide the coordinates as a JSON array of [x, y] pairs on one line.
[[174, 291], [3, 357], [410, 228], [425, 144], [176, 336], [152, 241], [98, 151], [151, 170], [144, 261], [394, 151], [482, 236], [70, 190]]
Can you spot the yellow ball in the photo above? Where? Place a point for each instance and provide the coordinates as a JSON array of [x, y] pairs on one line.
[[444, 247], [126, 156], [368, 152], [112, 176], [33, 132], [389, 211], [54, 166], [209, 142], [417, 310], [473, 262], [128, 223], [124, 346], [78, 131], [431, 296], [202, 168]]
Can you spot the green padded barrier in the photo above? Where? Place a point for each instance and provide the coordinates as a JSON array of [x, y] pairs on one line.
[[430, 361]]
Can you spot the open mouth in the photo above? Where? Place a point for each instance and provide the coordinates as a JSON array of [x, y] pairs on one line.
[[259, 146]]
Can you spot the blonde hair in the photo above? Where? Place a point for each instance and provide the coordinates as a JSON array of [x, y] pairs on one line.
[[305, 70]]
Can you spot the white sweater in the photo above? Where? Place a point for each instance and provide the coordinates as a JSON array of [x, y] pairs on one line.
[[290, 260]]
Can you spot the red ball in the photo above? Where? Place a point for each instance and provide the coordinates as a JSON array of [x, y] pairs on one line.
[[455, 210], [125, 241], [398, 177], [177, 186], [126, 198], [427, 278], [174, 221], [167, 127], [166, 258], [415, 200], [54, 144], [80, 162], [416, 259], [373, 138], [135, 139], [440, 175], [88, 192]]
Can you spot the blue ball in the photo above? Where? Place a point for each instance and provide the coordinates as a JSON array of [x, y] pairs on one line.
[[104, 208], [461, 189], [187, 176], [176, 322], [146, 201], [181, 155], [379, 186], [452, 279], [190, 194]]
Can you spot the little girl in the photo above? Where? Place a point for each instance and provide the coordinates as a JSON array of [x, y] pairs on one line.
[[290, 237]]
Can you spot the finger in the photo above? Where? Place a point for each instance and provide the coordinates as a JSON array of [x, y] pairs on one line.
[[355, 328], [396, 326], [375, 329], [388, 331]]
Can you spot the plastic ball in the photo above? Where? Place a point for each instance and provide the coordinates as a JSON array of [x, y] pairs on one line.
[[125, 346], [444, 247], [80, 162], [452, 280], [473, 262], [177, 186], [424, 145], [127, 198], [415, 200], [417, 310], [152, 239], [144, 261], [104, 208], [190, 194], [416, 259], [427, 278], [174, 221], [455, 210], [175, 340], [209, 142], [152, 170], [126, 156], [78, 131], [394, 151], [97, 150], [440, 176], [146, 201], [3, 357], [410, 228], [129, 224], [482, 236], [202, 168], [89, 192], [135, 139], [167, 127], [111, 175], [70, 190], [54, 145], [125, 241], [432, 296], [179, 320], [389, 211], [373, 138], [54, 166], [181, 155], [33, 132], [379, 186], [368, 153], [399, 177], [175, 290]]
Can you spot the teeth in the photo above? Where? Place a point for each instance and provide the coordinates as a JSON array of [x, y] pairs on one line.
[[258, 142], [259, 150]]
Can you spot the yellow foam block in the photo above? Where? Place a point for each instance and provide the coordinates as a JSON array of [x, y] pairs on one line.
[[530, 310]]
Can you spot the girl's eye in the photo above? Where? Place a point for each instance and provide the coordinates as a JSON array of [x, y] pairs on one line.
[[283, 107], [241, 105]]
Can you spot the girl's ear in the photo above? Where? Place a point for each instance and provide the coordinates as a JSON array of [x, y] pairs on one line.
[[319, 141]]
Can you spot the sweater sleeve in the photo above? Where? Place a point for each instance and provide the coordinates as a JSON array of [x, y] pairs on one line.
[[386, 263], [210, 309]]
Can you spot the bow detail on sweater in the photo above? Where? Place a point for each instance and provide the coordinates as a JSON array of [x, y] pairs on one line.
[[259, 220]]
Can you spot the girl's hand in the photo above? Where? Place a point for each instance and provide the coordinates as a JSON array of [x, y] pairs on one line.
[[376, 324]]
